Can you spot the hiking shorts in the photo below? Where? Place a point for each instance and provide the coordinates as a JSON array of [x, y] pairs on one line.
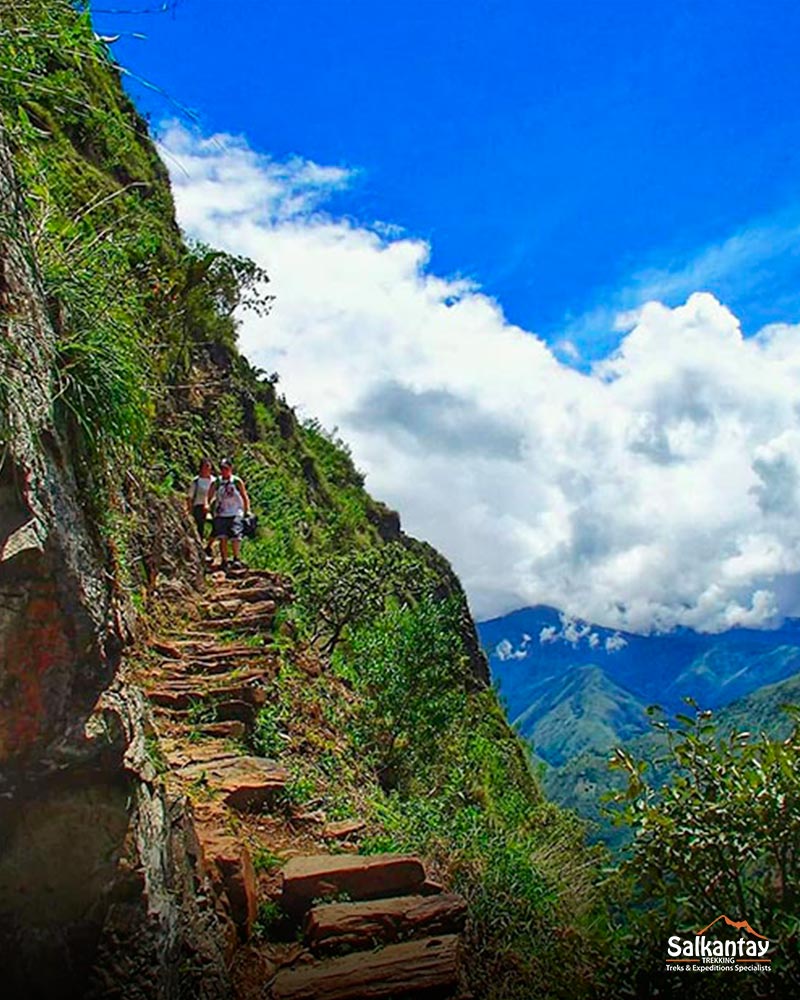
[[229, 527]]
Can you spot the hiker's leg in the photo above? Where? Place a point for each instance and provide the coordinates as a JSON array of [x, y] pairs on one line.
[[199, 515], [220, 532], [237, 530]]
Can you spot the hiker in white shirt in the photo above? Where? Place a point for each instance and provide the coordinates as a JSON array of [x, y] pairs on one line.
[[197, 499], [232, 503]]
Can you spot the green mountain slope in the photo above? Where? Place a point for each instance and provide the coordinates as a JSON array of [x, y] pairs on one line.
[[580, 782], [582, 710]]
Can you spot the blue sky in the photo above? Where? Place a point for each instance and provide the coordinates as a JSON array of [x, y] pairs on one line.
[[463, 209], [571, 158]]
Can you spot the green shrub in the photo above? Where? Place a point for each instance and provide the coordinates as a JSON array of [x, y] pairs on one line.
[[268, 738], [722, 836]]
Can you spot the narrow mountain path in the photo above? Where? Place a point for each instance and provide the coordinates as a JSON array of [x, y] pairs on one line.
[[306, 916]]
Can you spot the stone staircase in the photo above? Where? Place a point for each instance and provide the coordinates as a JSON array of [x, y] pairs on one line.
[[353, 926], [399, 929]]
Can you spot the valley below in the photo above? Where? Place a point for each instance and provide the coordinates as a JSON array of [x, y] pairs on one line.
[[576, 691]]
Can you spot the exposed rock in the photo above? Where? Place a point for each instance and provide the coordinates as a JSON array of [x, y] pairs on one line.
[[246, 783], [343, 829], [100, 892], [233, 729], [180, 694], [335, 926], [59, 637], [231, 868], [386, 520], [427, 968], [325, 876], [167, 649]]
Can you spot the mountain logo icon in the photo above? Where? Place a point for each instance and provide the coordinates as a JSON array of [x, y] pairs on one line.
[[738, 949], [737, 925]]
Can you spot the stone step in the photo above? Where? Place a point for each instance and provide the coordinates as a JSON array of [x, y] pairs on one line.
[[246, 783], [243, 623], [213, 611], [179, 693], [428, 968], [233, 877], [359, 926], [243, 578], [212, 667], [209, 644], [249, 594], [343, 829], [233, 729], [324, 876]]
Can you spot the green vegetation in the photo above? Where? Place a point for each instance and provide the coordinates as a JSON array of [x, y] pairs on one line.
[[375, 708], [265, 860], [721, 837], [584, 782], [269, 914]]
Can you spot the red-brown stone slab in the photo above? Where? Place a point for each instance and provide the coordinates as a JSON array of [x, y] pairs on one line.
[[326, 876], [231, 869], [428, 968], [342, 829], [359, 926], [246, 783]]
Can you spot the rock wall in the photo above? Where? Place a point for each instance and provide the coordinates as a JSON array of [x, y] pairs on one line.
[[101, 888], [58, 642]]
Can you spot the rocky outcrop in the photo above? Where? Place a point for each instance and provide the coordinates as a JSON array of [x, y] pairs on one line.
[[101, 889], [60, 634]]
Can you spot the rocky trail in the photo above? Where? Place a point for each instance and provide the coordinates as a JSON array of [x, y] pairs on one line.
[[340, 925]]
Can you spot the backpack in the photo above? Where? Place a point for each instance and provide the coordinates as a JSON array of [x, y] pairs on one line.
[[250, 525]]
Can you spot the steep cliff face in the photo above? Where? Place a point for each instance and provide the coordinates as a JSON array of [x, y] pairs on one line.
[[60, 641], [97, 869]]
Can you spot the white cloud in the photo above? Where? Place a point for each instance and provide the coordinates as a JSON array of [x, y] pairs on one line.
[[659, 489], [750, 261], [505, 651]]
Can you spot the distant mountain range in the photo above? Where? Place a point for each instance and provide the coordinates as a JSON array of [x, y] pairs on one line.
[[571, 686], [581, 781], [575, 690]]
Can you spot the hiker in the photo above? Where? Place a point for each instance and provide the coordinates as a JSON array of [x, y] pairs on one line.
[[232, 503], [197, 500]]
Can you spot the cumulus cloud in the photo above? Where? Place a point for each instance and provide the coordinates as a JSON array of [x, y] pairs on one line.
[[660, 488], [504, 650]]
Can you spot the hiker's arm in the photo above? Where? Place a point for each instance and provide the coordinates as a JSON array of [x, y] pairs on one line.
[[245, 497], [212, 492]]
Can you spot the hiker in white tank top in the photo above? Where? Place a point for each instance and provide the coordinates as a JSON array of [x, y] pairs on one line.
[[232, 503], [197, 499]]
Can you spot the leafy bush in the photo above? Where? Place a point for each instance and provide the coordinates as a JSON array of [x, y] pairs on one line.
[[353, 588], [268, 737], [723, 836], [406, 664]]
